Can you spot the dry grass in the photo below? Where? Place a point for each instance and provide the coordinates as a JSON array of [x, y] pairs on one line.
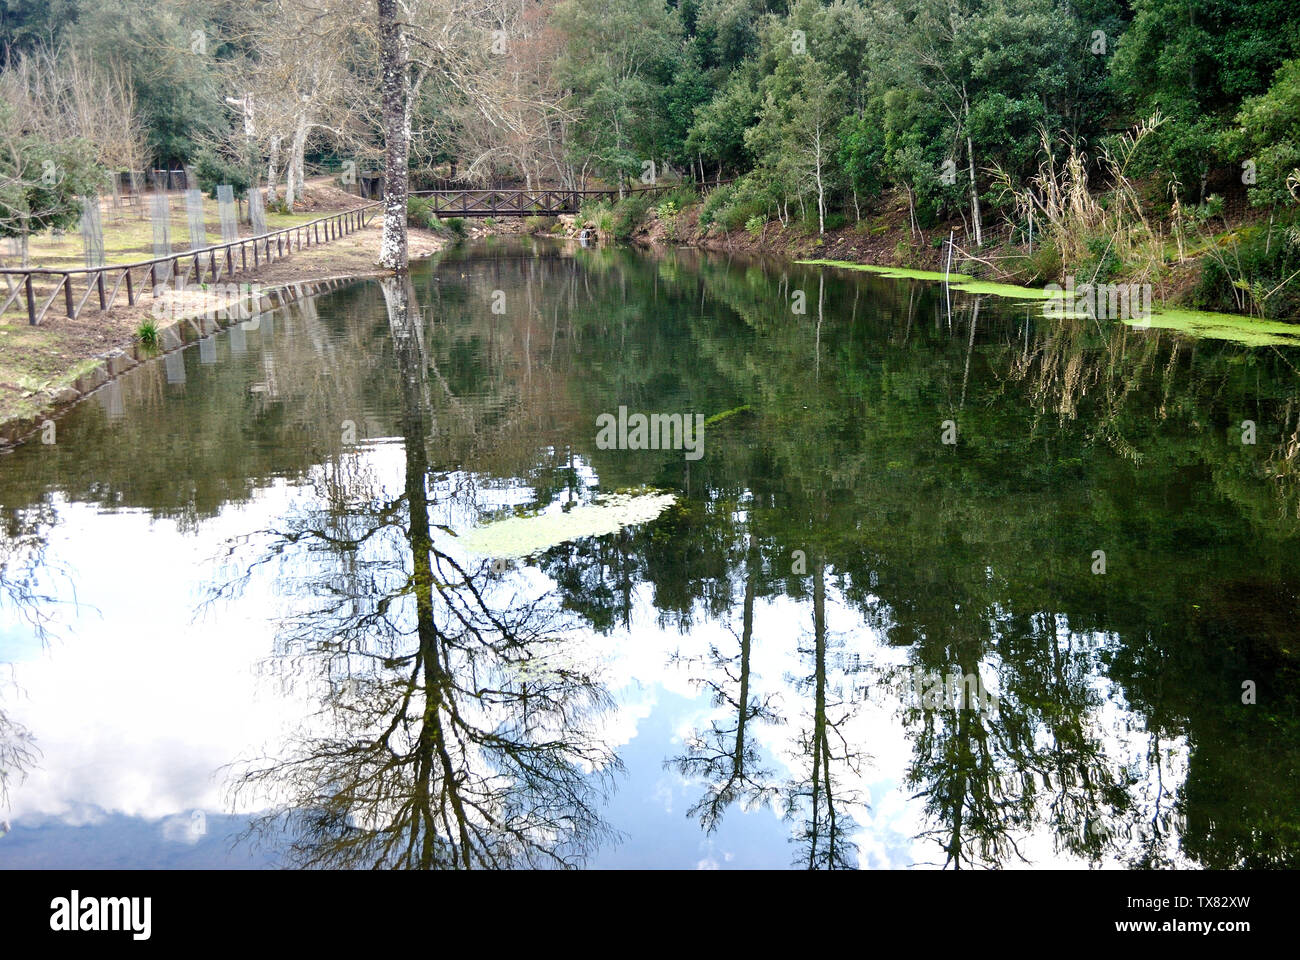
[[1070, 215]]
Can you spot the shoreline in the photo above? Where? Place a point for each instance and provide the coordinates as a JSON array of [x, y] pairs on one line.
[[272, 285], [320, 267]]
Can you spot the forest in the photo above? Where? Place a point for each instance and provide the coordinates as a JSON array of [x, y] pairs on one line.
[[1156, 141]]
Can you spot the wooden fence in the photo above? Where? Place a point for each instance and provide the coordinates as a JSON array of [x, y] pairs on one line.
[[39, 287]]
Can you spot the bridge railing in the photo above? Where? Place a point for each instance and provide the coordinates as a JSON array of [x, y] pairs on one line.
[[541, 201], [38, 287]]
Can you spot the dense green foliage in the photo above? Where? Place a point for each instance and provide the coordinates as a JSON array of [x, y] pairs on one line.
[[821, 101], [852, 97]]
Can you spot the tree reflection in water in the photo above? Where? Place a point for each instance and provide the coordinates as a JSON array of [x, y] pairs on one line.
[[1121, 735], [26, 597], [455, 734]]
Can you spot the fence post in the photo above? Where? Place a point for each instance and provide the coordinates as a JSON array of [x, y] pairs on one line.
[[31, 301], [130, 291], [67, 295], [99, 283]]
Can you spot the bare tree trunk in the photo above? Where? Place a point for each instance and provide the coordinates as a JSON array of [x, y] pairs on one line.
[[821, 188], [296, 150], [393, 63], [970, 166], [273, 174]]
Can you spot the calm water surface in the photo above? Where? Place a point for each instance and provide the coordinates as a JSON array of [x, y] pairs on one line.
[[241, 623]]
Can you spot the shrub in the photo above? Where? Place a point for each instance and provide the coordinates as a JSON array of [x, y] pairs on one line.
[[681, 196], [668, 214], [419, 211], [1259, 273], [754, 225], [714, 202], [1044, 264], [147, 334], [212, 170], [749, 198], [599, 215], [630, 213]]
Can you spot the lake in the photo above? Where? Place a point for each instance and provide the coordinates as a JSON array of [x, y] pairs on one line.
[[596, 557]]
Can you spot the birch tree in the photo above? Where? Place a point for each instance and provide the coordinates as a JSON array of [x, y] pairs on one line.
[[394, 66]]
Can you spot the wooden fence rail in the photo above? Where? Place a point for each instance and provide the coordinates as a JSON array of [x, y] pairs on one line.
[[39, 287]]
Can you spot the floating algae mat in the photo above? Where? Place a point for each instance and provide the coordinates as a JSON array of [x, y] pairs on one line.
[[958, 281], [1223, 326], [525, 536], [1196, 323], [889, 273]]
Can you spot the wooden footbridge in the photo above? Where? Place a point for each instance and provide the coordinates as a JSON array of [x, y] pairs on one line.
[[521, 202]]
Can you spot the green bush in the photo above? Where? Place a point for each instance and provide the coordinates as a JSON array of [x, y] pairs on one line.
[[1103, 263], [456, 225], [715, 201], [147, 334], [1044, 264], [1264, 265], [630, 213], [681, 196], [419, 212], [599, 214], [212, 171], [746, 198]]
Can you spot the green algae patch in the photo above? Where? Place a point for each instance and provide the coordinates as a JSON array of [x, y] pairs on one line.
[[517, 537], [719, 417], [889, 273], [1222, 326], [1009, 290], [958, 281], [1197, 323]]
